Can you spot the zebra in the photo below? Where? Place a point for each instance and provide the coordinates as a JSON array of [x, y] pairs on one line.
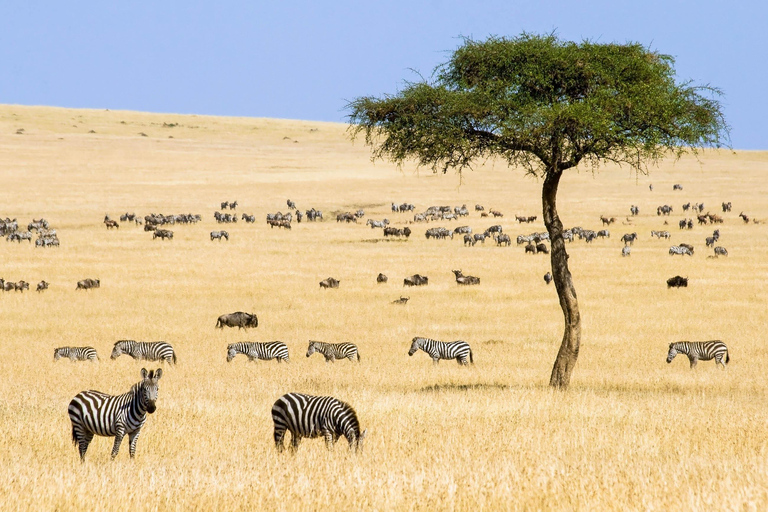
[[720, 251], [676, 249], [96, 413], [704, 350], [333, 351], [218, 235], [147, 350], [76, 354], [626, 251], [265, 351], [458, 350], [315, 416]]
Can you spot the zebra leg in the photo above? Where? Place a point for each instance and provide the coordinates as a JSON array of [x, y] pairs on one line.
[[133, 438], [435, 360], [694, 360], [279, 436], [118, 440], [84, 440], [329, 440], [295, 440]]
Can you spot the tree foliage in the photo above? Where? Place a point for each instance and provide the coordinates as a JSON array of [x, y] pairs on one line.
[[544, 104]]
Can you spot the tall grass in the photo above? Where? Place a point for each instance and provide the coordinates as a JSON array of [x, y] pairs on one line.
[[632, 433]]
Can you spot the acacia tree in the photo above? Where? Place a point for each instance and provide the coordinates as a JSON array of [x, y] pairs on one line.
[[545, 105]]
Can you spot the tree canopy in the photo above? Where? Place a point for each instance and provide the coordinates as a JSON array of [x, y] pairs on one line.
[[546, 105], [543, 103]]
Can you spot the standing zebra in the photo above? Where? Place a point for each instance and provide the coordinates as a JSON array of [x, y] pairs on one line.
[[333, 351], [76, 354], [266, 351], [148, 350], [96, 413], [458, 350], [315, 416], [704, 350]]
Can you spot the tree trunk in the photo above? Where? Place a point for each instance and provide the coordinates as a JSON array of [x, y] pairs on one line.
[[569, 348]]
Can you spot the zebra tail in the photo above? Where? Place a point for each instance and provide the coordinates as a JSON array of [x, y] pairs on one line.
[[358, 357], [174, 358], [74, 437], [727, 357], [471, 359]]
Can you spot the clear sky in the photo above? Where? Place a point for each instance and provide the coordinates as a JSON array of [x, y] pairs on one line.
[[301, 59]]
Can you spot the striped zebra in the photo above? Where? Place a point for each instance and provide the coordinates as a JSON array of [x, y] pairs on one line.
[[315, 416], [96, 413], [704, 350], [333, 351], [147, 350], [437, 350], [76, 353], [676, 249], [266, 351]]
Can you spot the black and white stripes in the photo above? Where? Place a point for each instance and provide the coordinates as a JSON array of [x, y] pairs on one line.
[[315, 416], [145, 350], [96, 413], [458, 350], [704, 350], [333, 351], [76, 353], [266, 351]]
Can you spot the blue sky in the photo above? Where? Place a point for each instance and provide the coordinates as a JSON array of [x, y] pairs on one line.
[[306, 60]]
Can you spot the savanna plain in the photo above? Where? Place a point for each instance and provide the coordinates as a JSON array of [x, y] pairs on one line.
[[631, 433]]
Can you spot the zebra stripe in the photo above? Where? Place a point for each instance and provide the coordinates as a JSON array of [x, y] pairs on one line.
[[458, 350], [76, 353], [333, 351], [146, 350], [266, 351], [704, 350], [315, 416], [96, 413]]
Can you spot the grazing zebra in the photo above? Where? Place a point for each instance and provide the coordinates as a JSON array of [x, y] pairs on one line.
[[95, 413], [676, 249], [265, 351], [315, 416], [333, 351], [76, 354], [458, 350], [704, 350], [720, 251], [218, 235], [626, 251], [42, 285], [147, 350]]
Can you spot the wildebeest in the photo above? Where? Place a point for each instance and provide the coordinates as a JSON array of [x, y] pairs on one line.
[[416, 280], [381, 278], [218, 235], [42, 285], [530, 248], [542, 248], [86, 284], [239, 319], [329, 283], [465, 280], [163, 234], [677, 282], [548, 277], [677, 186]]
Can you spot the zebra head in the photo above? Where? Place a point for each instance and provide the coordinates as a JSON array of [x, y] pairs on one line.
[[117, 351], [57, 354], [231, 353], [358, 444], [672, 352], [312, 348], [148, 389], [415, 345]]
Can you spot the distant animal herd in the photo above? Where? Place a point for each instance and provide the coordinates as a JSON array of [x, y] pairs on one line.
[[95, 413]]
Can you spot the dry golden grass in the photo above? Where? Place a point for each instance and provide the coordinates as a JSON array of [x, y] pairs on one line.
[[633, 433]]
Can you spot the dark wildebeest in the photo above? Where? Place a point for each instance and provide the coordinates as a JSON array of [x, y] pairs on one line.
[[381, 278], [86, 284], [239, 319], [541, 248], [677, 282], [416, 280], [329, 283]]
